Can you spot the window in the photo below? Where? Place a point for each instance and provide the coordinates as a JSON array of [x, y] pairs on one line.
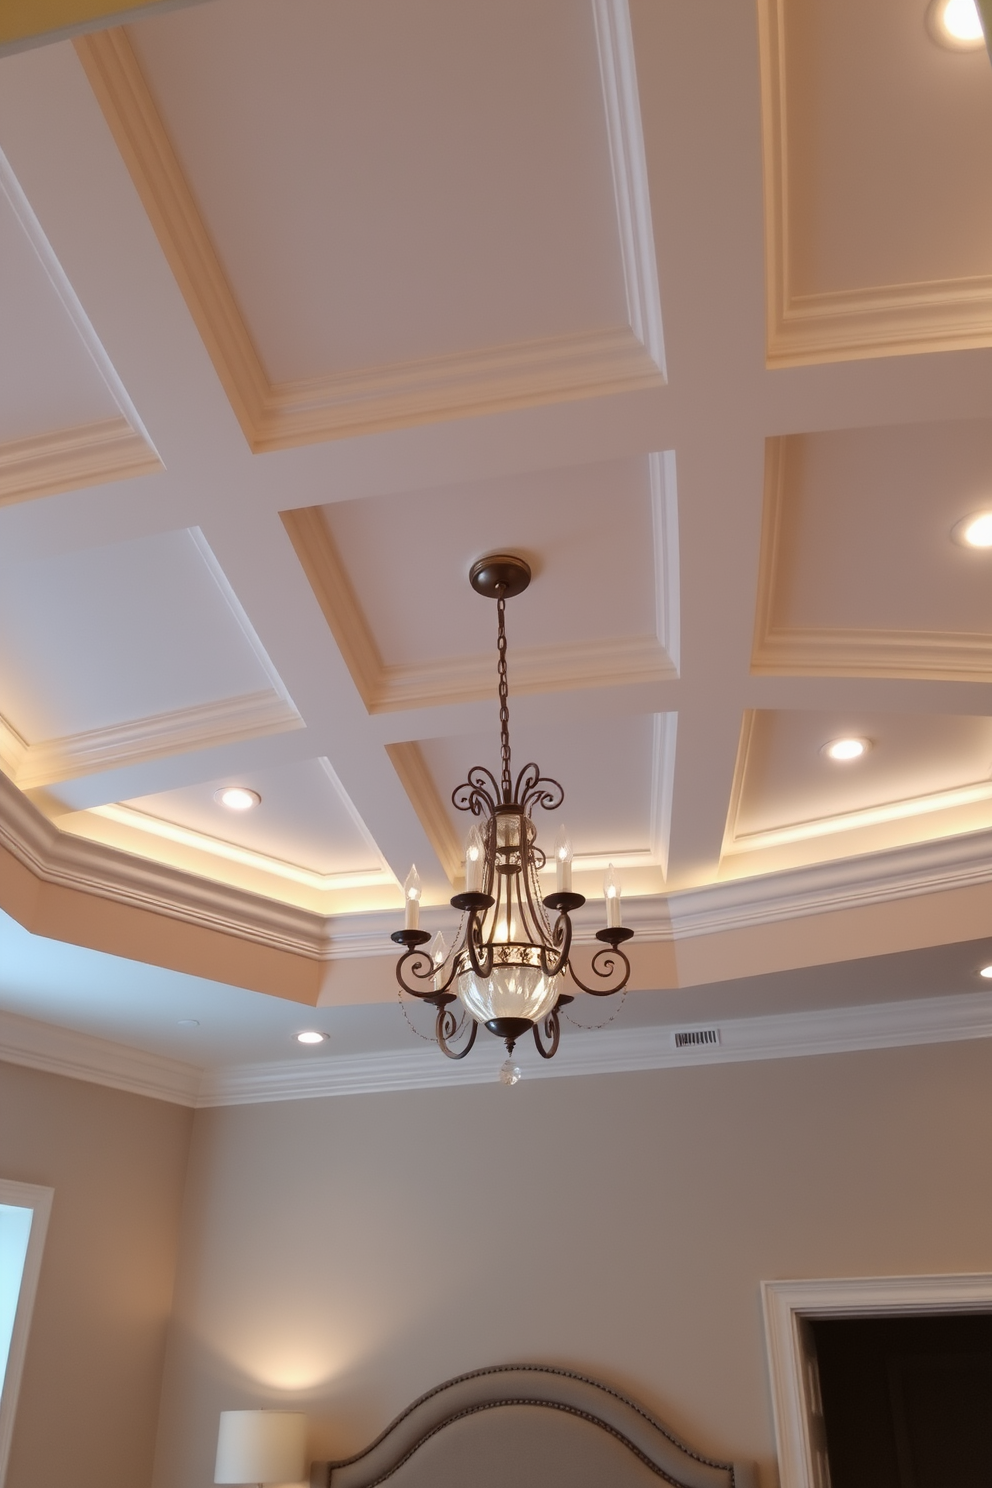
[[24, 1210]]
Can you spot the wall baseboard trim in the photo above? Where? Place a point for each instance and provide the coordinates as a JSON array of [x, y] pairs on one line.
[[311, 1076]]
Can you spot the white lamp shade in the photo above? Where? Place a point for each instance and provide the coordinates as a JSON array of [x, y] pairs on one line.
[[261, 1446]]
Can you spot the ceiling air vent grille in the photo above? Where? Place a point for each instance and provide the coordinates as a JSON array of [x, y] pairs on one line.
[[696, 1038]]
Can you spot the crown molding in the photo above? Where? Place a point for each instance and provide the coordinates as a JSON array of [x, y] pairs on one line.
[[408, 761], [614, 1051], [790, 651], [80, 1056], [367, 400], [203, 726], [614, 662], [879, 320], [68, 459]]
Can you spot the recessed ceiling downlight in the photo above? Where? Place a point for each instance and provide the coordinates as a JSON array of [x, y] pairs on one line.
[[310, 1036], [846, 749], [956, 24], [986, 972], [974, 531], [237, 797]]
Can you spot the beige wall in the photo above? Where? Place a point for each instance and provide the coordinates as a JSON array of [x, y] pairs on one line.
[[348, 1253], [89, 1398]]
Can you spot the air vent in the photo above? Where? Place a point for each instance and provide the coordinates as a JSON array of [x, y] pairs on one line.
[[695, 1038]]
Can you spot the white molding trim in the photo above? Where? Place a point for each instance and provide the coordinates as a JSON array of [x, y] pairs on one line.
[[39, 1200], [618, 74], [420, 1066], [114, 448], [398, 395], [794, 1389], [203, 726]]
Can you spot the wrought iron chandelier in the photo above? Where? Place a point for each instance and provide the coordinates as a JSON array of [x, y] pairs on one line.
[[511, 962]]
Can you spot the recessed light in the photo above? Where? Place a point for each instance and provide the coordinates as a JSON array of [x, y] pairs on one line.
[[974, 531], [846, 749], [310, 1036], [189, 1022], [956, 24], [986, 972], [237, 797]]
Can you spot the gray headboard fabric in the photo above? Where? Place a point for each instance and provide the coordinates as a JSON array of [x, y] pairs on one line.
[[528, 1426]]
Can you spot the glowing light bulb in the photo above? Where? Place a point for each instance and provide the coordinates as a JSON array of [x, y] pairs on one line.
[[845, 749], [411, 895], [474, 860], [563, 862], [611, 891], [439, 954]]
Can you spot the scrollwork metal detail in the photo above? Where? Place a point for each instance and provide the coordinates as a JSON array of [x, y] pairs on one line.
[[604, 965]]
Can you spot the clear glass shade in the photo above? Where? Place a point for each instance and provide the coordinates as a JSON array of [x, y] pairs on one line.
[[509, 992]]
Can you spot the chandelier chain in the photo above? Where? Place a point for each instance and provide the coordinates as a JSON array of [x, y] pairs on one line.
[[504, 698]]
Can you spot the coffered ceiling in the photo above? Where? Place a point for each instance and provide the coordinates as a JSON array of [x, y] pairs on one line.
[[304, 308]]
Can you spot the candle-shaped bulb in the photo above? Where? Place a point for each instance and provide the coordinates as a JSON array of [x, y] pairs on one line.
[[563, 862], [439, 954], [475, 855], [411, 896], [611, 889]]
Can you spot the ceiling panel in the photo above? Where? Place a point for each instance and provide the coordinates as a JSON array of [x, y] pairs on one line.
[[357, 222], [128, 631], [922, 775], [304, 818], [860, 572], [392, 575]]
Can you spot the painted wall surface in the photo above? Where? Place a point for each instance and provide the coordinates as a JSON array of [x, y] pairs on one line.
[[92, 1376], [344, 1255]]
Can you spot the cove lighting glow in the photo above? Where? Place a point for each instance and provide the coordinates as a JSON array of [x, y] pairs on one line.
[[310, 1036], [956, 24], [237, 798], [974, 531], [845, 749]]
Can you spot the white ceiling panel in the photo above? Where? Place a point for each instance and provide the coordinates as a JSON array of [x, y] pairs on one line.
[[396, 179], [48, 378], [127, 631], [304, 818]]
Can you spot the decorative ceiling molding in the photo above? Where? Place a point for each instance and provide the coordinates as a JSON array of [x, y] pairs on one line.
[[311, 1076], [115, 448], [613, 662], [408, 761], [879, 320], [203, 726], [365, 400], [89, 455], [806, 651], [736, 841]]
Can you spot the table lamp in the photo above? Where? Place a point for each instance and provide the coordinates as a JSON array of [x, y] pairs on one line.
[[261, 1446]]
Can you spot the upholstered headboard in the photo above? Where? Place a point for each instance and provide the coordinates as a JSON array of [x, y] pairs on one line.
[[526, 1426]]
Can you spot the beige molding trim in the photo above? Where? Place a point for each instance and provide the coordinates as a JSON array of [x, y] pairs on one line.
[[114, 448], [384, 689], [791, 651], [68, 459], [845, 325], [366, 400], [203, 726], [408, 761]]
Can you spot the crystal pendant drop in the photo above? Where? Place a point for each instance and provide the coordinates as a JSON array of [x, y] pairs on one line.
[[509, 1072]]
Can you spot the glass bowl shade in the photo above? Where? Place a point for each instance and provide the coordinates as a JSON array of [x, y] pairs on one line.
[[509, 992]]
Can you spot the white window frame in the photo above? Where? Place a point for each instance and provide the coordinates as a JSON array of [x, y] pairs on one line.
[[39, 1200], [794, 1381]]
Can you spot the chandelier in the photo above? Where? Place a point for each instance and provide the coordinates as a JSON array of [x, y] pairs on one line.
[[511, 964]]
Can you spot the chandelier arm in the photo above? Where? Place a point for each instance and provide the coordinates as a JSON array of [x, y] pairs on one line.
[[446, 1028], [421, 958], [552, 1029], [562, 934], [606, 959], [473, 939]]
